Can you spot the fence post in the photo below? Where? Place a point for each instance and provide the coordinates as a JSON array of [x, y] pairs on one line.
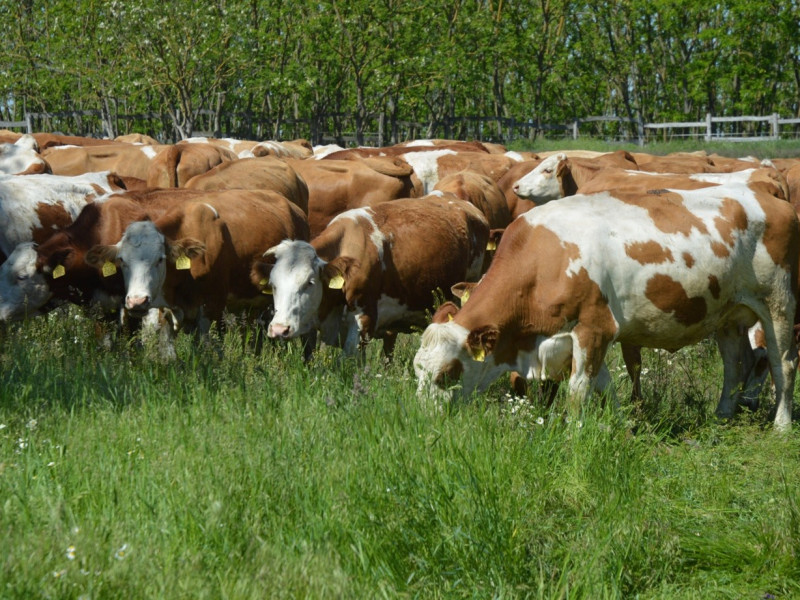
[[709, 127], [29, 122], [776, 132], [640, 127], [575, 129]]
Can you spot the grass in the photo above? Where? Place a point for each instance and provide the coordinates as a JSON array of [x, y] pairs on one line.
[[234, 473]]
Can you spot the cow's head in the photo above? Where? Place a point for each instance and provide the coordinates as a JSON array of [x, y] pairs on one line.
[[142, 254], [449, 353], [298, 278], [22, 158], [23, 289], [544, 182]]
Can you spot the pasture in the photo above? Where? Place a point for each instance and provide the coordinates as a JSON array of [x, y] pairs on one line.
[[236, 472]]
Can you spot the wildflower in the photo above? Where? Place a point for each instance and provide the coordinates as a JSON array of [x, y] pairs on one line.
[[59, 574], [540, 421], [51, 464], [71, 552], [120, 554], [32, 424], [22, 443], [2, 425]]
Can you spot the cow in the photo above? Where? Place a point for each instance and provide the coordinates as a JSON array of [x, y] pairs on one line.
[[560, 175], [373, 272], [126, 160], [662, 271], [516, 204], [298, 148], [431, 165], [32, 207], [335, 186], [196, 258], [175, 165], [263, 173], [22, 158], [58, 264], [481, 191]]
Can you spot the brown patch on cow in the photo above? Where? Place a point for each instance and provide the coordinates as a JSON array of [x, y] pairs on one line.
[[781, 232], [713, 286], [649, 253], [667, 211], [719, 249], [732, 217], [688, 259], [669, 296]]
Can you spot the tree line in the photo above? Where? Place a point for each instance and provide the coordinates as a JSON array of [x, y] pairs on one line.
[[306, 67]]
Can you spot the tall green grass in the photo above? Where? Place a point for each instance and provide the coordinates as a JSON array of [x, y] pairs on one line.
[[238, 473]]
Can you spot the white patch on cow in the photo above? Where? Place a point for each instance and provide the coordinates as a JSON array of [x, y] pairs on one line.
[[214, 210], [515, 156], [437, 193], [23, 290], [415, 143], [20, 156], [321, 152], [195, 140], [391, 310], [149, 151], [541, 184], [426, 166], [376, 235], [741, 177], [21, 195]]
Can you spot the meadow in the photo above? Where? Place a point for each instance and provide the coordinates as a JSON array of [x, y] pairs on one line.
[[237, 471]]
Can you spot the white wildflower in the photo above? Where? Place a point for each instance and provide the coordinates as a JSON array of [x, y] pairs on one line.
[[121, 552], [540, 421], [71, 552]]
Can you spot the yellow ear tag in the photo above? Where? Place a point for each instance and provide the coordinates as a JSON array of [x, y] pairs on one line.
[[449, 317], [59, 271], [336, 283], [491, 245], [183, 263], [109, 268], [478, 354], [464, 297]]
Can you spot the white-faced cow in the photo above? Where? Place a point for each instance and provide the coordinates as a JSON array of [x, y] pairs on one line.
[[196, 259], [662, 271], [22, 158], [374, 271]]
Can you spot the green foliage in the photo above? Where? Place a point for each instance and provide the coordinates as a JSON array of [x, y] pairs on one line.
[[550, 61], [241, 473]]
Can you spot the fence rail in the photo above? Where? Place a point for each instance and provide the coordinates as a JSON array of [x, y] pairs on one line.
[[343, 129]]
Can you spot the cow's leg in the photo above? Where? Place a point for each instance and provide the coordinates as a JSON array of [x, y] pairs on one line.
[[737, 361], [309, 343], [588, 355], [389, 341], [782, 354], [632, 356]]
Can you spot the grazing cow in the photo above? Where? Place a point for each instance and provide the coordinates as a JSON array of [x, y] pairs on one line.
[[662, 271], [126, 160], [335, 186], [22, 158], [32, 207], [516, 204], [374, 271], [196, 258], [58, 264], [264, 173], [177, 164]]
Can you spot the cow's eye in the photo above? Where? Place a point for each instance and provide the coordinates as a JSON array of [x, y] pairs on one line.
[[22, 277], [309, 283]]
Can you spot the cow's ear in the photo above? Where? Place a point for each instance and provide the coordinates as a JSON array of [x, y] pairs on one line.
[[561, 167], [183, 249], [336, 273], [99, 255], [259, 275], [482, 341], [463, 290], [494, 239], [445, 312]]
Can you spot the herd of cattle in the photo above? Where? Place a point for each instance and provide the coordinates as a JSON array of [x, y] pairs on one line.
[[559, 255]]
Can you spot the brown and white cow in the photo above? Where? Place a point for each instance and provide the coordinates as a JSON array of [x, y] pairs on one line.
[[263, 173], [335, 186], [32, 207], [572, 277], [22, 158], [55, 269], [196, 258], [374, 271], [481, 191]]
